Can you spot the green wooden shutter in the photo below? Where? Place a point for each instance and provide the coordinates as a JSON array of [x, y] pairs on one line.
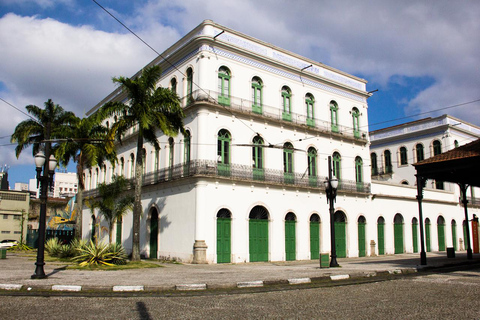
[[223, 240], [427, 236], [362, 252], [314, 240], [119, 231], [290, 240], [153, 236], [340, 240], [381, 238], [454, 236], [258, 242], [415, 237], [398, 235], [441, 237]]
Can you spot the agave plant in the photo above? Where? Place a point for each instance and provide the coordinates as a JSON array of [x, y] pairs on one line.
[[53, 247], [101, 254]]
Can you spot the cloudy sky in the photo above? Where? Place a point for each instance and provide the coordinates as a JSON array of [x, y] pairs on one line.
[[422, 56]]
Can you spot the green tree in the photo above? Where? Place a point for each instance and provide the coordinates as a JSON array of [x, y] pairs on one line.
[[87, 147], [52, 122], [110, 206], [152, 108]]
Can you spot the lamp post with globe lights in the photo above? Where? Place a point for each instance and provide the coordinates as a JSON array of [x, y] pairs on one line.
[[331, 186]]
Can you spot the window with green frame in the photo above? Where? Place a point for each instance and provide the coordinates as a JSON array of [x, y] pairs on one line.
[[373, 160], [388, 161], [337, 170], [419, 152], [186, 152], [288, 163], [286, 103], [132, 165], [312, 166], [144, 160], [224, 86], [403, 156], [257, 158], [156, 164], [356, 122], [189, 83], [257, 95], [122, 167], [171, 146], [334, 116], [359, 173], [223, 152], [437, 149], [310, 105], [173, 85]]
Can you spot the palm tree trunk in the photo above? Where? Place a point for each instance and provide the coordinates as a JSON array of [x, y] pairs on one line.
[[79, 204], [137, 205]]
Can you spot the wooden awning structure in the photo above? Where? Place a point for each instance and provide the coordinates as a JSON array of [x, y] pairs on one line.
[[460, 165]]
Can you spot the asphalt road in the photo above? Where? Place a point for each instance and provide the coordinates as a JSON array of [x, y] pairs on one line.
[[453, 295]]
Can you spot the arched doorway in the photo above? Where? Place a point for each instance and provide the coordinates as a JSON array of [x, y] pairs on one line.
[[290, 236], [427, 235], [153, 233], [454, 234], [93, 229], [362, 247], [340, 220], [224, 221], [441, 233], [118, 227], [314, 236], [381, 235], [258, 234], [415, 234], [398, 233]]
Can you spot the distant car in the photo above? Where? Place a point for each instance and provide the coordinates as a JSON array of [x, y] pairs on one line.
[[5, 244]]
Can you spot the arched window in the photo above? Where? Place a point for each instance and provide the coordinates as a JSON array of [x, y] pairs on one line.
[[356, 122], [310, 106], [388, 161], [373, 159], [337, 160], [224, 86], [189, 82], [288, 163], [403, 156], [419, 152], [334, 115], [156, 165], [223, 152], [312, 166], [257, 158], [173, 85], [144, 160], [186, 149], [132, 165], [359, 173], [257, 95], [455, 143], [286, 103], [171, 146], [122, 166], [437, 147]]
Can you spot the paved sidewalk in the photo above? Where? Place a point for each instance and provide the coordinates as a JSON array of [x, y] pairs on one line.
[[16, 270]]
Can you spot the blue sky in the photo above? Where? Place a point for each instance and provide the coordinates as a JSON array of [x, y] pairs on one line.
[[421, 56]]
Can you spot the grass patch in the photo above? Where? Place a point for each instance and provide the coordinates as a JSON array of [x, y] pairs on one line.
[[129, 265]]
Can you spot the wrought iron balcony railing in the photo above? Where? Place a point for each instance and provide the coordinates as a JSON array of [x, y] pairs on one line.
[[237, 172]]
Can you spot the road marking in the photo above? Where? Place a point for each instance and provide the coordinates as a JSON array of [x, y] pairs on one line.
[[299, 280], [194, 286], [66, 288], [128, 288], [10, 286], [249, 284], [340, 277]]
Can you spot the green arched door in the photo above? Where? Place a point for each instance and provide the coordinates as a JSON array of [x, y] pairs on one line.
[[340, 234], [398, 233], [224, 221], [415, 234], [258, 234], [362, 250], [119, 230], [441, 233], [153, 234], [314, 236], [290, 236], [454, 234], [381, 235]]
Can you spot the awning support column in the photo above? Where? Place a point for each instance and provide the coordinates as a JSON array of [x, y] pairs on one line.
[[420, 185], [463, 191]]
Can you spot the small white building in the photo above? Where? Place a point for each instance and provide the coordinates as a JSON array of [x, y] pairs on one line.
[[65, 185], [246, 183]]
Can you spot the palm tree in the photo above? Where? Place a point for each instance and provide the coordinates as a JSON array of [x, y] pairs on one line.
[[150, 108], [50, 123], [87, 147], [109, 206]]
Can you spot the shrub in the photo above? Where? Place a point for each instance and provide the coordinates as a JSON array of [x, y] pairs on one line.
[[53, 247], [101, 254], [119, 255]]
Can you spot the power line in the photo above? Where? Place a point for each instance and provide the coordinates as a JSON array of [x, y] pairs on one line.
[[11, 105]]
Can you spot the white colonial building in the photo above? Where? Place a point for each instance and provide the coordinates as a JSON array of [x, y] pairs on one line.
[[246, 183]]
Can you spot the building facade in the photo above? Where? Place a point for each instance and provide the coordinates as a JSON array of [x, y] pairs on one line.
[[246, 181], [14, 207]]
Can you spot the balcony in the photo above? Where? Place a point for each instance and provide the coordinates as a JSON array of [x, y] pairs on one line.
[[246, 106], [237, 172]]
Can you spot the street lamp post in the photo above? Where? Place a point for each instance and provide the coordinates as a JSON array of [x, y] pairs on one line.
[[45, 180], [331, 186]]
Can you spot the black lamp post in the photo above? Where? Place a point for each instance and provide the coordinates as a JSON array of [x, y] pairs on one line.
[[45, 181], [331, 186]]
